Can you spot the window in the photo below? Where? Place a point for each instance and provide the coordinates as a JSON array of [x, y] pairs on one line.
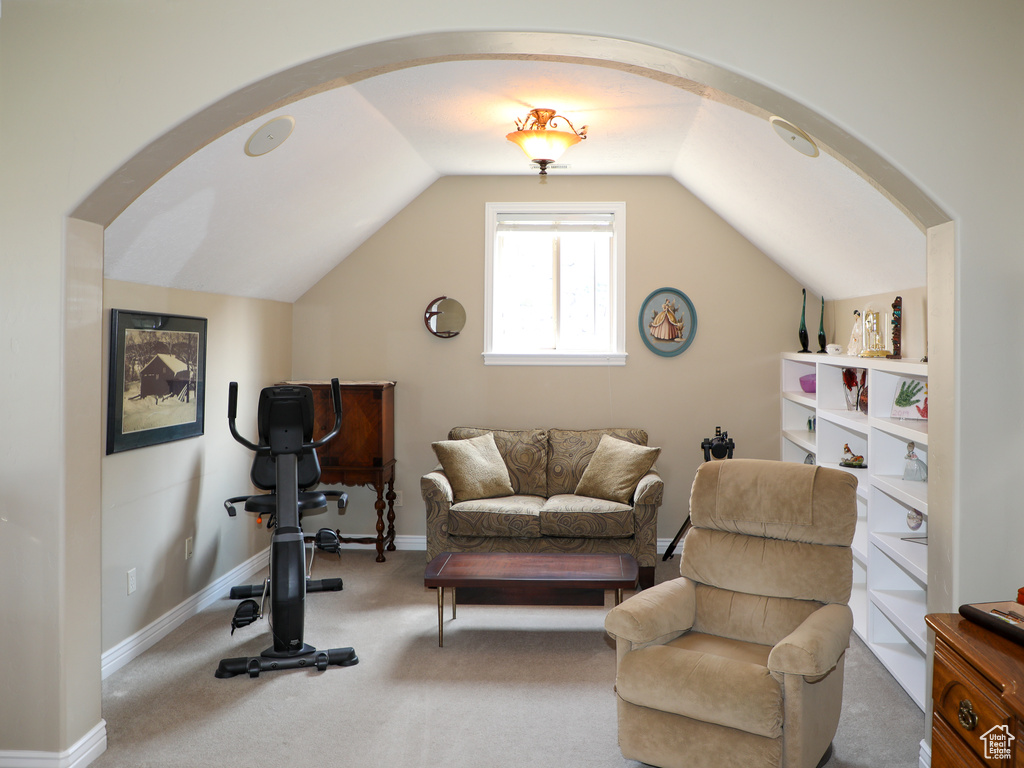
[[555, 284]]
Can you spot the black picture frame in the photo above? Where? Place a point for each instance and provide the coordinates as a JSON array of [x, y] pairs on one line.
[[157, 381]]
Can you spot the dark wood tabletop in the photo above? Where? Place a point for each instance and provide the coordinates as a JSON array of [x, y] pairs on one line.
[[561, 570]]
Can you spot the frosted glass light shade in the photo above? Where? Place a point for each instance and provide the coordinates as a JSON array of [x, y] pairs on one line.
[[542, 144]]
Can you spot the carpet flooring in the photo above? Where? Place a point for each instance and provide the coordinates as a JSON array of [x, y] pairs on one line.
[[513, 686]]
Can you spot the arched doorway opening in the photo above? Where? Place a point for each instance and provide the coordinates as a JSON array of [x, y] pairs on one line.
[[84, 249]]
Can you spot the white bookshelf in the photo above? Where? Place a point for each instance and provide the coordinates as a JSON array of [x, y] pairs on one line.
[[890, 561]]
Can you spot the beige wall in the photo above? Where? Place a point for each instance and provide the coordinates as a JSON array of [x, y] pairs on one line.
[[364, 320], [154, 497]]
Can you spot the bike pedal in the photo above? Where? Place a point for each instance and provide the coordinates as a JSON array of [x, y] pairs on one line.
[[327, 540], [245, 614]]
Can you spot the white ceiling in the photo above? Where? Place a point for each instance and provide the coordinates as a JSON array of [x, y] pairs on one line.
[[272, 226]]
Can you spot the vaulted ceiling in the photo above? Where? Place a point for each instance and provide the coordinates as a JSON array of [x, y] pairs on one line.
[[271, 226]]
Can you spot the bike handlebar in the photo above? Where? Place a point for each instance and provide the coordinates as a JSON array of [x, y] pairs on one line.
[[336, 398], [233, 410]]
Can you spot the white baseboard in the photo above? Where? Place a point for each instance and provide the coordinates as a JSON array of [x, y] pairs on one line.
[[924, 757], [401, 542], [146, 638], [81, 754]]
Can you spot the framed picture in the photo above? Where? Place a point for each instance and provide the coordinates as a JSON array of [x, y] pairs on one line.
[[910, 400], [668, 322], [157, 385]]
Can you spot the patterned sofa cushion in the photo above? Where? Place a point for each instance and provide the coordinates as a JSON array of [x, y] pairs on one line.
[[581, 517], [525, 453], [510, 516], [569, 452]]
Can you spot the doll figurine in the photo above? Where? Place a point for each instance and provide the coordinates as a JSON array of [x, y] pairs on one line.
[[856, 335]]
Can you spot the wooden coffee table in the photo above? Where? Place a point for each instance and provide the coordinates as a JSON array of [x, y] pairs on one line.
[[495, 578]]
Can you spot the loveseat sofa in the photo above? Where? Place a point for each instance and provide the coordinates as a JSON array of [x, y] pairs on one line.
[[544, 507]]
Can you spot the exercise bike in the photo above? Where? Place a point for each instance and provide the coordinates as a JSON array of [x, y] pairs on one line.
[[285, 424]]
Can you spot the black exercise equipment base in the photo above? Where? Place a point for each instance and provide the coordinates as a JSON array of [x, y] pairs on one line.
[[269, 661]]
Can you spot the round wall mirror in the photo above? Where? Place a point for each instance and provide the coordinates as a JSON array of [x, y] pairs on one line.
[[444, 317]]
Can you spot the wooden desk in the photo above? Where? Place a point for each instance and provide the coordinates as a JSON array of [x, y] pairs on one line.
[[363, 453], [520, 578], [977, 689]]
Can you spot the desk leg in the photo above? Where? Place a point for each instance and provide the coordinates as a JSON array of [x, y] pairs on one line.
[[440, 617]]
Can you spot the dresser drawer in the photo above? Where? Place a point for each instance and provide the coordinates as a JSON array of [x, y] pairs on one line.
[[967, 703], [949, 750]]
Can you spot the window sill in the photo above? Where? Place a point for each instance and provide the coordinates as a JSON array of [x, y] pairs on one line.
[[555, 358]]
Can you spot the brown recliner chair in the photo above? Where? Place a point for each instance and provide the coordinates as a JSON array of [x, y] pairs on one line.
[[740, 661]]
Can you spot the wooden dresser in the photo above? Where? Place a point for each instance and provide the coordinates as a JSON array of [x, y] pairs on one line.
[[363, 453], [978, 696]]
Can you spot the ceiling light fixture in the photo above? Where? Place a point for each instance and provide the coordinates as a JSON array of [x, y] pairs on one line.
[[541, 144]]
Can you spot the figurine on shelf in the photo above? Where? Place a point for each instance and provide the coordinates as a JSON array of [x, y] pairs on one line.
[[914, 469], [897, 328], [856, 335], [851, 459]]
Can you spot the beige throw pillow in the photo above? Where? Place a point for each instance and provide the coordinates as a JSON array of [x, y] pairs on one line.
[[474, 467], [615, 469]]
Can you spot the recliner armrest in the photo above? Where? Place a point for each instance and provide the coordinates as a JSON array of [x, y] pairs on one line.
[[658, 614], [814, 648]]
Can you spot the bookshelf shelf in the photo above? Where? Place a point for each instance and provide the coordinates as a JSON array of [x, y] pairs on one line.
[[890, 558]]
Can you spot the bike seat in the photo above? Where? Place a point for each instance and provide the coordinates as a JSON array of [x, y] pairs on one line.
[[266, 503]]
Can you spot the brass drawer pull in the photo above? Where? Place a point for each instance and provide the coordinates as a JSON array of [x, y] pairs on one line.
[[967, 716]]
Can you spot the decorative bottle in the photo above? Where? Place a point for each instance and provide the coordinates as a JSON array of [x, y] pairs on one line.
[[803, 324], [821, 328]]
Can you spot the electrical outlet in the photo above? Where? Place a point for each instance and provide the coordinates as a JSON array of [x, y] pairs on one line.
[[131, 581], [398, 498], [188, 548]]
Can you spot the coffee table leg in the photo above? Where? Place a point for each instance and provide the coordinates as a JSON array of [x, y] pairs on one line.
[[440, 617], [454, 602], [618, 596]]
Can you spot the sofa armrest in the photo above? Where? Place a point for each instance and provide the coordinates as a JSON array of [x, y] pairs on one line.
[[655, 615], [436, 487], [815, 647], [650, 489]]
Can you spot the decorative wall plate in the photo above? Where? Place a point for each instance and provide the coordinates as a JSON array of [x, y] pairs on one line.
[[668, 322]]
